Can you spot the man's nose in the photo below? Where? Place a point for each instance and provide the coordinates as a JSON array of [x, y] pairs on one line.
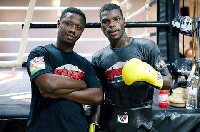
[[112, 23], [73, 28]]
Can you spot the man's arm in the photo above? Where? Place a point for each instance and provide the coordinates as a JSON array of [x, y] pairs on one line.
[[52, 83], [167, 82], [95, 114], [89, 96], [95, 118], [56, 86]]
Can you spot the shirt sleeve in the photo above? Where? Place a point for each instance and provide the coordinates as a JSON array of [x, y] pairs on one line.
[[91, 78], [157, 60], [38, 62]]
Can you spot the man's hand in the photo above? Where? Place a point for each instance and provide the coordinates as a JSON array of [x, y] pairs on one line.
[[136, 70]]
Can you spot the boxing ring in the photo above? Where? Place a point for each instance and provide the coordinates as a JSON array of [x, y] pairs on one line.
[[15, 90]]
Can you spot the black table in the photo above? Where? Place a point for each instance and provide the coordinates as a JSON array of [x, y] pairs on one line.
[[173, 119]]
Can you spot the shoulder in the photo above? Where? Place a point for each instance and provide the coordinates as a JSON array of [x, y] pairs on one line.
[[81, 58], [40, 51], [144, 42], [101, 53], [42, 48]]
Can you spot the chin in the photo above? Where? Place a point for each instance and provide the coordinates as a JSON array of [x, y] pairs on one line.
[[114, 38], [69, 43]]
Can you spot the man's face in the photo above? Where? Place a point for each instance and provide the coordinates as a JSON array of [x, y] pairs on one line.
[[71, 28], [112, 24]]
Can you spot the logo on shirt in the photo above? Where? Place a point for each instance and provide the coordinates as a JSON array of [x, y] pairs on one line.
[[69, 71], [159, 76], [114, 73], [37, 64], [122, 118], [160, 64]]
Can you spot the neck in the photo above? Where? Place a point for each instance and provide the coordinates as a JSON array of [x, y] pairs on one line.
[[64, 46], [119, 43]]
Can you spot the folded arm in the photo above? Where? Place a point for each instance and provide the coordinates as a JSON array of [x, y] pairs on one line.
[[56, 86], [89, 96]]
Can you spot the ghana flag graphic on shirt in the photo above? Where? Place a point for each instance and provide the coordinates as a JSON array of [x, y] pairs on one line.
[[37, 64]]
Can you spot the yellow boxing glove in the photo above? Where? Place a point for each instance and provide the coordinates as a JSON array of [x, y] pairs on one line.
[[136, 70]]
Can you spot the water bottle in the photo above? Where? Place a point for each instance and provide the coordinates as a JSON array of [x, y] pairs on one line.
[[191, 94]]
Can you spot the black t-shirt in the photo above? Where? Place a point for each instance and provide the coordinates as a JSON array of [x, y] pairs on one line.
[[58, 115], [109, 62]]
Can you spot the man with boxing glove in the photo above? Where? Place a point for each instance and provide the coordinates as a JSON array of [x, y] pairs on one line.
[[129, 70]]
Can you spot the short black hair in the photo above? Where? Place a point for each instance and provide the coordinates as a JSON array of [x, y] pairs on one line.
[[109, 7], [73, 10]]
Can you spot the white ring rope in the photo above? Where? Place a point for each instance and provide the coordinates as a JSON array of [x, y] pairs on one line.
[[147, 19], [8, 63], [44, 8], [25, 33], [26, 54], [51, 39], [11, 54], [145, 7], [123, 2]]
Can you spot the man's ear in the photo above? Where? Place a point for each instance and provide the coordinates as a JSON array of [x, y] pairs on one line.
[[101, 26], [58, 23], [124, 21]]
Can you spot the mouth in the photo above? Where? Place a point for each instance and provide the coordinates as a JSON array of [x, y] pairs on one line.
[[113, 32], [71, 37]]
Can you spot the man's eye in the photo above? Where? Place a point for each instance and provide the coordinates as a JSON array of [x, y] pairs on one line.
[[78, 28], [117, 19], [67, 23], [104, 22]]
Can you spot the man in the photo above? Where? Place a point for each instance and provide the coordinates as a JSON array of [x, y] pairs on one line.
[[62, 80], [127, 107]]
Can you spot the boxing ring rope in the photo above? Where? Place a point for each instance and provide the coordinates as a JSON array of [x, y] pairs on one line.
[[51, 39], [45, 8], [88, 25], [124, 2], [145, 7], [20, 25], [25, 33]]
